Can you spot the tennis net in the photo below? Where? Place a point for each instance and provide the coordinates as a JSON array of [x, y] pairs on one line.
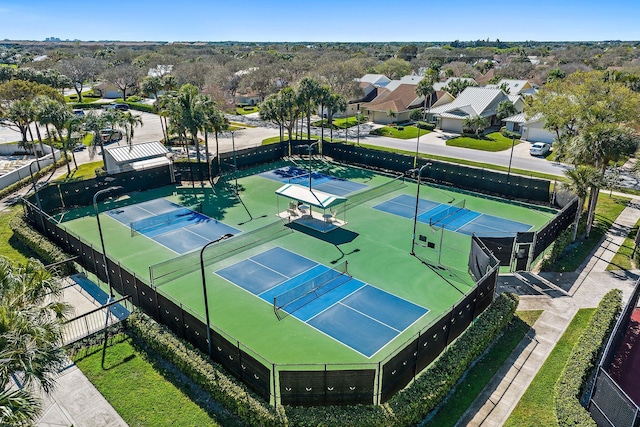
[[440, 217], [371, 193], [152, 223], [301, 295], [172, 269]]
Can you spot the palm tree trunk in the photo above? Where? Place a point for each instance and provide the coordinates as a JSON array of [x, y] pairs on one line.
[[206, 154], [576, 221], [593, 201], [33, 148]]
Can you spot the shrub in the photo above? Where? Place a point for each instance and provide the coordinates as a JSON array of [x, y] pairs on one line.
[[509, 134], [425, 125], [46, 250], [141, 107], [582, 362], [134, 98]]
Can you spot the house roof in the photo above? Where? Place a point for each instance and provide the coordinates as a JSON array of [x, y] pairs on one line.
[[535, 118], [311, 197], [375, 79], [517, 118], [473, 101], [514, 87], [441, 85], [137, 152], [402, 98]]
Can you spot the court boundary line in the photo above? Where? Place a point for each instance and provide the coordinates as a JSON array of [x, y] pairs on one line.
[[366, 315]]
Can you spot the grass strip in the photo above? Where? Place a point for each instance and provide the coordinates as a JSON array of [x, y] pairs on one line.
[[537, 405], [494, 141], [144, 389], [622, 259], [482, 372]]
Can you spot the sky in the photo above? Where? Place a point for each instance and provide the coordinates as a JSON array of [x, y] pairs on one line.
[[320, 21]]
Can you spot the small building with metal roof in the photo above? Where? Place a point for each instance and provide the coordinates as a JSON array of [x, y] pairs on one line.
[[141, 156]]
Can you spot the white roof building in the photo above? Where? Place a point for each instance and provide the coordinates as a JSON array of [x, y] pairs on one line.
[[127, 158]]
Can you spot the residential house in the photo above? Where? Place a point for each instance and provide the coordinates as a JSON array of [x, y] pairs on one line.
[[110, 91], [516, 87], [532, 130], [472, 101], [401, 101]]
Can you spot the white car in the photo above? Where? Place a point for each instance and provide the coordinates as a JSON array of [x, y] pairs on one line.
[[540, 149]]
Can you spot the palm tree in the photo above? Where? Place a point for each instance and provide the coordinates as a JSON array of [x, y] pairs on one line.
[[73, 123], [31, 326], [308, 94], [283, 109], [391, 114], [130, 122], [218, 123], [581, 179], [324, 93], [186, 116], [424, 88], [336, 103]]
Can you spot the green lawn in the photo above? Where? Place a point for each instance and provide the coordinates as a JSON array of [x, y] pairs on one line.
[[145, 390], [400, 132], [478, 376], [491, 142], [537, 406], [84, 171], [10, 247], [247, 110], [622, 259], [339, 123]]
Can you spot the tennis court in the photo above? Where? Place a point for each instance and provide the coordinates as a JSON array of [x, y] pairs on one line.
[[319, 181], [352, 312], [375, 244], [176, 227], [452, 216]]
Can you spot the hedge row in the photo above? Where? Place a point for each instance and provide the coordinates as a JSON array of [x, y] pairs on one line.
[[582, 362], [509, 134], [210, 376], [46, 250], [425, 125], [413, 404], [141, 107]]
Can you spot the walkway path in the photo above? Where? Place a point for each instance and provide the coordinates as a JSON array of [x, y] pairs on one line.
[[584, 289]]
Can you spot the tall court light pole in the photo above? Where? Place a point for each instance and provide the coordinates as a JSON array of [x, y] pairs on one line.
[[415, 215], [204, 290], [104, 252]]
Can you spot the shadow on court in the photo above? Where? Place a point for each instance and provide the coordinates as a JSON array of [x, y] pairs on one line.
[[338, 236]]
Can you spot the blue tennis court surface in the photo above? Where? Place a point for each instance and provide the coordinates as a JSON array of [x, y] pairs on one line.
[[352, 312], [460, 220], [176, 227], [319, 181]]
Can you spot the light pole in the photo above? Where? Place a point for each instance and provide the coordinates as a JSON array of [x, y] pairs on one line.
[[415, 216], [204, 290], [415, 159], [358, 120], [309, 147], [235, 164], [104, 253], [513, 142], [35, 191]]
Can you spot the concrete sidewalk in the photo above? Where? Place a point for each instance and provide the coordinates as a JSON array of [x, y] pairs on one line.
[[498, 399]]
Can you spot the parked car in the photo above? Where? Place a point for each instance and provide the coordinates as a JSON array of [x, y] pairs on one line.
[[110, 135], [79, 147], [540, 149], [78, 112], [121, 107]]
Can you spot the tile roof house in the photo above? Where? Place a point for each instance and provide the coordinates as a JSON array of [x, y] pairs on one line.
[[472, 101], [402, 100]]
